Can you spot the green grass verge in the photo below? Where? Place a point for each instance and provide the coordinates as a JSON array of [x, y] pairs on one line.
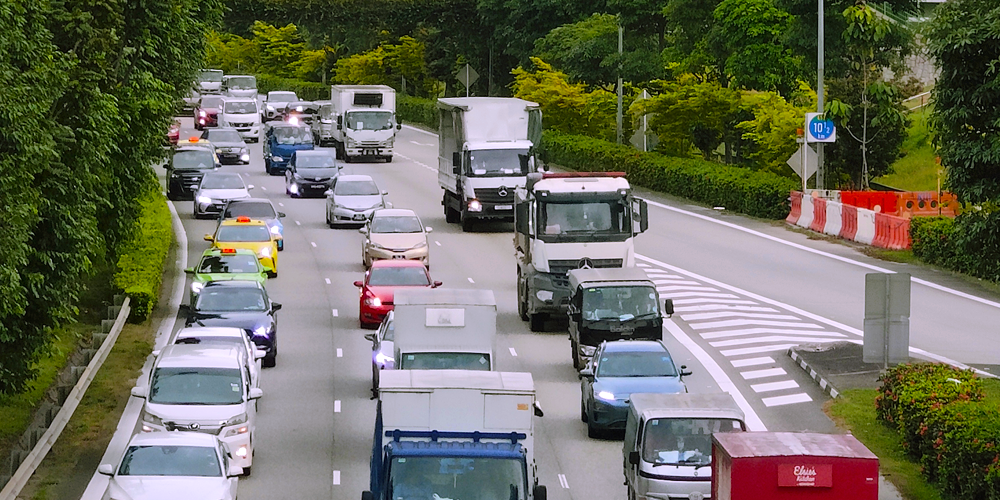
[[917, 170]]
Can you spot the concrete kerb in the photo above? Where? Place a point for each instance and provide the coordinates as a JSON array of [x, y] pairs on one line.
[[129, 422], [824, 384]]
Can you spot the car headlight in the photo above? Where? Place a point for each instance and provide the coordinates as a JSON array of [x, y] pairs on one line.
[[606, 395], [218, 150], [237, 420], [420, 245], [277, 158], [262, 331], [475, 206], [544, 295], [376, 245], [270, 108], [275, 230], [149, 420], [373, 301], [202, 114], [351, 143], [382, 359], [265, 252], [245, 157], [204, 200], [197, 286]]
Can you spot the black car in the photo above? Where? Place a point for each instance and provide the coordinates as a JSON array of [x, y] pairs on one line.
[[310, 172], [229, 145], [239, 304], [185, 169]]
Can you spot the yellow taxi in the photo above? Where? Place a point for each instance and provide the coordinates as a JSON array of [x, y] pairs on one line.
[[198, 142], [251, 234]]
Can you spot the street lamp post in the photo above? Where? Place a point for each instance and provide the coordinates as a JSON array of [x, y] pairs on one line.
[[820, 170]]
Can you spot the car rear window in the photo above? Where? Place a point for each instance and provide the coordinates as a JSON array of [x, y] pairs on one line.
[[254, 210], [229, 264], [237, 234], [398, 276]]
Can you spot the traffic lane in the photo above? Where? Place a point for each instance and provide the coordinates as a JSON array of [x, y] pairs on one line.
[[815, 283]]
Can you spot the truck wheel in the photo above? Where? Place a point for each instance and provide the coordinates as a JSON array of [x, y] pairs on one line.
[[388, 159], [536, 322], [583, 411], [451, 215], [522, 305], [592, 431], [467, 223], [576, 355]]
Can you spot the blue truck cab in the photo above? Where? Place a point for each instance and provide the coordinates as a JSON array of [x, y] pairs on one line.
[[431, 436], [281, 139]]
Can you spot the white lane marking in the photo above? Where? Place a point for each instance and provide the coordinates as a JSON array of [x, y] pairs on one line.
[[297, 223], [756, 350], [755, 374], [704, 295], [420, 143], [770, 338], [724, 307], [280, 204], [775, 386], [264, 188], [677, 281], [313, 243], [713, 301], [471, 281], [327, 281], [336, 477], [563, 482], [681, 288], [730, 314], [436, 242], [335, 313], [512, 352], [753, 421], [754, 331], [740, 363], [422, 131], [786, 400], [753, 322], [340, 352], [336, 406]]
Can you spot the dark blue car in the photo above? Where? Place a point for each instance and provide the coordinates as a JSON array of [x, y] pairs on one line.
[[281, 140], [619, 369]]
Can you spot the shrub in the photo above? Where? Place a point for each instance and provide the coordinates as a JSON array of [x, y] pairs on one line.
[[933, 240], [141, 259], [417, 110], [307, 91], [759, 194]]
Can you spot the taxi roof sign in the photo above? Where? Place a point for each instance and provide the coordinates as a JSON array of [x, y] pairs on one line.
[[243, 218]]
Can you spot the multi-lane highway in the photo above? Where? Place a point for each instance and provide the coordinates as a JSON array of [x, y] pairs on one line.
[[744, 291]]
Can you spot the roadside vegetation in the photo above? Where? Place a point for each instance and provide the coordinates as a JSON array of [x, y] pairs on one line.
[[917, 169]]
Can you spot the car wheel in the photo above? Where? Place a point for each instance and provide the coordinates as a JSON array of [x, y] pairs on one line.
[[583, 411], [451, 215], [374, 381], [467, 222], [267, 166], [246, 471], [388, 159], [281, 244], [576, 354], [522, 305], [269, 361], [592, 430], [536, 322]]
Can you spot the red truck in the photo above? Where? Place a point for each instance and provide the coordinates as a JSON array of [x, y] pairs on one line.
[[792, 465]]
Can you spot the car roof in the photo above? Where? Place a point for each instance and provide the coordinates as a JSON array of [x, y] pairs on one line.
[[251, 200], [251, 222], [314, 152], [184, 148], [220, 129], [635, 346], [355, 178], [241, 99], [174, 439], [394, 212], [233, 284], [198, 356], [209, 331], [286, 125], [223, 174], [218, 251], [397, 263]]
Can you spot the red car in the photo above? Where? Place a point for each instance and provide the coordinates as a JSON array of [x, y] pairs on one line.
[[174, 133], [206, 113], [380, 283]]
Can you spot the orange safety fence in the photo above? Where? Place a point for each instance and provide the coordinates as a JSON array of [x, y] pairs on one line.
[[891, 232], [927, 203], [796, 212], [819, 215], [849, 216], [878, 201]]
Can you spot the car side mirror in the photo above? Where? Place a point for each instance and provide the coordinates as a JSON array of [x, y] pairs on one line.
[[367, 495], [250, 187], [234, 470], [384, 193], [139, 392], [370, 337], [281, 215], [106, 470], [189, 270], [209, 237], [363, 230], [537, 409], [437, 284], [329, 192], [256, 393], [184, 307], [684, 371], [358, 284], [259, 354], [538, 492], [429, 229], [587, 372], [668, 307], [399, 126], [633, 457], [275, 306]]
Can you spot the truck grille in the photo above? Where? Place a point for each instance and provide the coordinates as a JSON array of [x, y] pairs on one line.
[[565, 266], [242, 125], [371, 144], [493, 195]]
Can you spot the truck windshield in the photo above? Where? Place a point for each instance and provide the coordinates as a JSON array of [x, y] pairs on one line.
[[446, 361], [459, 478], [683, 441], [243, 82], [602, 220], [496, 162], [369, 120], [622, 303], [210, 75]]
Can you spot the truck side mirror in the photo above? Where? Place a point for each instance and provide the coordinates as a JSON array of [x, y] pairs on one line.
[[633, 457], [456, 160], [537, 493], [367, 495], [587, 372], [521, 215], [668, 307], [340, 122], [538, 409], [643, 216]]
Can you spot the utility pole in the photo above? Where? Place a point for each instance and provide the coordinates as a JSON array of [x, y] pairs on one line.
[[820, 64], [618, 117]]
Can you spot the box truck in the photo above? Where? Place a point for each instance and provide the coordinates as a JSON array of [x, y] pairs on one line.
[[366, 121], [441, 328]]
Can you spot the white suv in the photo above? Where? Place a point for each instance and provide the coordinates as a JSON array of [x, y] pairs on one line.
[[229, 337], [242, 114], [203, 388]]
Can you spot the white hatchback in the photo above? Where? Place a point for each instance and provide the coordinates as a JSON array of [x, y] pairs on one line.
[[242, 114]]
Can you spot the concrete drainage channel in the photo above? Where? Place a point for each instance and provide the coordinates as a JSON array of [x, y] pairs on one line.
[[60, 402]]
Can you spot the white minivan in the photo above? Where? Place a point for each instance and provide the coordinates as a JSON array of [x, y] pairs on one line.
[[242, 114], [206, 389]]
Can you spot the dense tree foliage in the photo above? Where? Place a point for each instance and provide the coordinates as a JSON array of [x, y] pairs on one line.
[[88, 91]]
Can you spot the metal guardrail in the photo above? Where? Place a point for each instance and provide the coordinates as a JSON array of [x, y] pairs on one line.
[[922, 100], [34, 458]]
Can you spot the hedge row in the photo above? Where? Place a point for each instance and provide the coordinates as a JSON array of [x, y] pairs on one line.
[[941, 416], [759, 194], [417, 110], [307, 91], [140, 261]]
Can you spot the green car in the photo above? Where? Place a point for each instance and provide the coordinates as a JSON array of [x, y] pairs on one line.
[[225, 264]]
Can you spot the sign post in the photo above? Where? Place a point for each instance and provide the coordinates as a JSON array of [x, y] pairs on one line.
[[819, 129], [887, 318], [467, 76]]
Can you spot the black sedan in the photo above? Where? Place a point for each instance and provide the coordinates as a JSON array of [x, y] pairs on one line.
[[239, 304], [310, 173], [229, 145]]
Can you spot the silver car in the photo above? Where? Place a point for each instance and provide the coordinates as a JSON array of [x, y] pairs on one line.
[[383, 353], [352, 199], [215, 190], [394, 233], [275, 103]]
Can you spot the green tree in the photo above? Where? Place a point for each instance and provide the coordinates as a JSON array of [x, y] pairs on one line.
[[687, 24], [280, 48], [689, 113], [746, 41]]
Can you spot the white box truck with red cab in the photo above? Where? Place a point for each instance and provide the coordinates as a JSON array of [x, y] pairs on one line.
[[366, 121]]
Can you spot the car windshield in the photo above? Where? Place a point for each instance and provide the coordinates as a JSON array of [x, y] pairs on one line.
[[158, 460], [636, 364], [225, 264], [222, 136], [496, 162], [222, 181], [292, 135], [254, 210], [243, 233], [243, 82], [356, 188], [200, 159], [396, 225], [369, 120], [240, 107], [583, 218], [196, 386], [231, 299], [437, 477], [315, 161], [621, 303], [446, 361], [210, 75], [683, 441], [398, 276], [282, 96], [211, 102]]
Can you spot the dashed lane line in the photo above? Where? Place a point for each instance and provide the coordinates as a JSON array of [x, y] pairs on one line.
[[743, 363], [756, 374]]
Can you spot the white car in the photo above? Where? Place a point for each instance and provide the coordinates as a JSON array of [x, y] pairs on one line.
[[239, 86], [215, 190], [394, 233], [225, 336], [383, 349], [352, 199], [242, 114], [169, 465], [204, 389], [275, 103]]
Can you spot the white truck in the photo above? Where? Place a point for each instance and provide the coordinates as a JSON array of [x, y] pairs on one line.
[[440, 328], [570, 220], [366, 121], [485, 150], [209, 81], [454, 434]]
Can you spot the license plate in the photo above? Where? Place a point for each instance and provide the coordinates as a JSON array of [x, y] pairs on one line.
[[504, 207], [359, 216], [370, 152], [398, 257]]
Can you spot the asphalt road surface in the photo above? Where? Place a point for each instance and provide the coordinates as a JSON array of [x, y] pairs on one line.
[[744, 291]]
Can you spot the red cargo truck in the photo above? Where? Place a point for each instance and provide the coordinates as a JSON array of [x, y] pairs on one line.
[[792, 465]]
